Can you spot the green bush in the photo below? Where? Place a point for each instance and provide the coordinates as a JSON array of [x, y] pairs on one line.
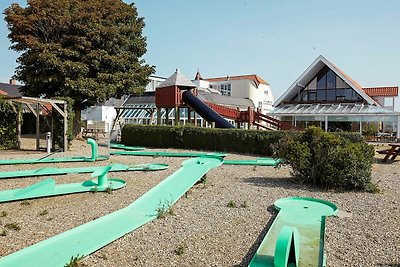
[[8, 125], [328, 160]]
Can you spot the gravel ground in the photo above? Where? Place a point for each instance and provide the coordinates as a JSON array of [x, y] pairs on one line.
[[203, 231]]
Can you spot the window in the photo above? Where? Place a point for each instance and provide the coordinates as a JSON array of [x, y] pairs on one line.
[[266, 92], [225, 89], [330, 80], [260, 103]]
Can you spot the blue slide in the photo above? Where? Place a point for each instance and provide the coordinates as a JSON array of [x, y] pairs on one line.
[[205, 111]]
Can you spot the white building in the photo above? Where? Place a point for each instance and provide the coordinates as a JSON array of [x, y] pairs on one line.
[[251, 87]]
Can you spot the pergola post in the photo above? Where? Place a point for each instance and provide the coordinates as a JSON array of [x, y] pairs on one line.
[[37, 126], [19, 122], [398, 128], [65, 127], [326, 123]]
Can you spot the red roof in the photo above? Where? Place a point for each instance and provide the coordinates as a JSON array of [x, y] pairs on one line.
[[2, 92], [382, 91], [253, 77]]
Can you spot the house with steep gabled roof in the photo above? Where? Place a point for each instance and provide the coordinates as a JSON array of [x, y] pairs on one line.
[[326, 96]]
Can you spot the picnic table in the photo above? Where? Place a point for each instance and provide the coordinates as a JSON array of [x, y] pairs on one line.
[[393, 151]]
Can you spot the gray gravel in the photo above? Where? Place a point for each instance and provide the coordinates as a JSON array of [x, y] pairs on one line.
[[203, 230]]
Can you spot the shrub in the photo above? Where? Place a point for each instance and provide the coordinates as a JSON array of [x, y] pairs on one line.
[[328, 160], [8, 125]]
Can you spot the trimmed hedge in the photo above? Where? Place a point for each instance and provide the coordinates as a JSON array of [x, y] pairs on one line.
[[222, 140], [328, 160]]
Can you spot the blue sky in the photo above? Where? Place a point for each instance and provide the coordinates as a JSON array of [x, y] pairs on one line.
[[277, 40]]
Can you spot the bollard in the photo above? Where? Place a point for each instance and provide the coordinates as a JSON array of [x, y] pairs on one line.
[[48, 142]]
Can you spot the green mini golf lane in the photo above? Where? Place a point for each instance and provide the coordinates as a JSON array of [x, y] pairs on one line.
[[122, 146], [306, 216], [89, 237], [94, 157], [116, 167], [165, 154], [48, 187], [254, 162]]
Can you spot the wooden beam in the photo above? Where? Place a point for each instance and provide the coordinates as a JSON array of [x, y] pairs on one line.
[[31, 109], [37, 126], [58, 109], [65, 127]]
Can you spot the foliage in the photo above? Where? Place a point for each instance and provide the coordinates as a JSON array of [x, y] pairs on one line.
[[12, 226], [164, 209], [231, 204], [8, 125], [87, 50], [74, 261], [225, 140], [327, 160]]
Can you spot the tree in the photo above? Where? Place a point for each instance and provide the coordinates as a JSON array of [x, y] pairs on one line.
[[89, 50]]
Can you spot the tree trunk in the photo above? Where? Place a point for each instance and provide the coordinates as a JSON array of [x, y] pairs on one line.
[[77, 123]]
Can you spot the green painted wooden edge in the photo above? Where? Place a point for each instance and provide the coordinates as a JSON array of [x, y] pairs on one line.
[[93, 157], [255, 162], [116, 167], [122, 146], [290, 216], [166, 154], [89, 237], [48, 187]]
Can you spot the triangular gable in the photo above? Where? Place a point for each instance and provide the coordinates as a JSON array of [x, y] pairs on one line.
[[177, 79], [312, 71]]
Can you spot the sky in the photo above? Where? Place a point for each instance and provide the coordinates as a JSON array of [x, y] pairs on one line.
[[275, 39]]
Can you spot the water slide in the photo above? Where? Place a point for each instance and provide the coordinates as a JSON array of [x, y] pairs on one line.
[[89, 237], [205, 111]]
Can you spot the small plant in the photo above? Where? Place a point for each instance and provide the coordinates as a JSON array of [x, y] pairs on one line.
[[74, 261], [180, 250], [3, 214], [3, 233], [244, 204], [164, 209], [94, 189], [231, 204], [109, 189], [44, 212], [146, 168], [25, 203], [12, 226], [49, 219]]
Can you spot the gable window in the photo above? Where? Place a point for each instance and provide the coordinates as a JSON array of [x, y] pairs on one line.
[[326, 86], [225, 89]]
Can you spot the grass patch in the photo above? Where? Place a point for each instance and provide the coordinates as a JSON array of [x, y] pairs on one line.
[[25, 203], [164, 209], [109, 189], [74, 261], [43, 213], [3, 233], [231, 204], [12, 226], [180, 250], [3, 213]]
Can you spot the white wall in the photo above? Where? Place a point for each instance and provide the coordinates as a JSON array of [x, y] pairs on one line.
[[100, 113]]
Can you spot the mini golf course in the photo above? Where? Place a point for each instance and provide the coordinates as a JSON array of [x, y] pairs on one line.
[[48, 187], [46, 159], [116, 167]]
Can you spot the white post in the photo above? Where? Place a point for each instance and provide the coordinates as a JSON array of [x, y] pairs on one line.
[[326, 123], [360, 125], [398, 128]]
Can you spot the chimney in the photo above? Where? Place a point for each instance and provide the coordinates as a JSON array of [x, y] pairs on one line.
[[13, 81]]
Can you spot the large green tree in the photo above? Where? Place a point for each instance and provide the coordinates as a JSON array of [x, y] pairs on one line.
[[89, 50]]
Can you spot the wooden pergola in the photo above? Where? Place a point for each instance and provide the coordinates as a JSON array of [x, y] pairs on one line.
[[35, 105]]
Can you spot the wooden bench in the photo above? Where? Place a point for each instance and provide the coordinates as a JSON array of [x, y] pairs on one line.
[[393, 151], [94, 129]]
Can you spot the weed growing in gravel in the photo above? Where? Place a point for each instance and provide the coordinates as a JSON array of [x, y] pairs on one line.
[[146, 168], [109, 189], [3, 233], [12, 226], [3, 214], [44, 212], [244, 204], [231, 204], [74, 261], [180, 250], [49, 219], [25, 203], [164, 209], [94, 189]]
